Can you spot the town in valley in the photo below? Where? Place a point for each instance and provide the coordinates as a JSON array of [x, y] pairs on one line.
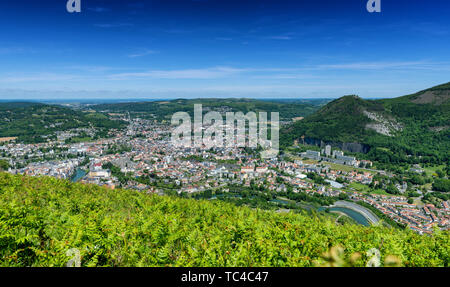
[[142, 157]]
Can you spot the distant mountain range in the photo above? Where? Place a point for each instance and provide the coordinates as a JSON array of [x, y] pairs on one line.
[[390, 130], [288, 109]]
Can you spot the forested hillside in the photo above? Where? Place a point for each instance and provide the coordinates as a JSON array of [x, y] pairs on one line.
[[42, 218], [414, 128], [33, 122]]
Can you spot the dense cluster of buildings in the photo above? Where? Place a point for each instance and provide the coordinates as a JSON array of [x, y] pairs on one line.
[[335, 156], [150, 152], [421, 219], [60, 169]]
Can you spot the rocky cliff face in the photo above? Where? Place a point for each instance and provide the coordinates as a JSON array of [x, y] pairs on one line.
[[387, 126]]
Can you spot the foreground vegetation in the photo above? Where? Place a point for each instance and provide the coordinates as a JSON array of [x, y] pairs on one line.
[[42, 218]]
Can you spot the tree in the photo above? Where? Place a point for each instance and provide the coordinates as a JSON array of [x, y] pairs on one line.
[[440, 173], [4, 165], [447, 170], [392, 189], [442, 185], [417, 180]]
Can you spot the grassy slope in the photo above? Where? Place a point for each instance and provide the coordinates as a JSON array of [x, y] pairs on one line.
[[42, 218]]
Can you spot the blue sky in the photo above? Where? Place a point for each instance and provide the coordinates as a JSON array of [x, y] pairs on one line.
[[222, 48]]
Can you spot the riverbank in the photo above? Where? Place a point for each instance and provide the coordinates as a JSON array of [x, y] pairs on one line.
[[372, 218]]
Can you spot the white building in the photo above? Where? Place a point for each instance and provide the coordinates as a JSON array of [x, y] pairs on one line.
[[327, 150]]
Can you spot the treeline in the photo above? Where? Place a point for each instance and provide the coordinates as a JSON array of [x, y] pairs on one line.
[[164, 110], [260, 197], [441, 184]]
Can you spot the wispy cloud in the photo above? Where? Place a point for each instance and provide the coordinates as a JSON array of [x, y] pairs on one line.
[[177, 31], [40, 77], [117, 77], [99, 9], [431, 28], [224, 39], [300, 72], [142, 53], [113, 25], [319, 90], [286, 76], [207, 73], [384, 65], [91, 69], [15, 50], [279, 38]]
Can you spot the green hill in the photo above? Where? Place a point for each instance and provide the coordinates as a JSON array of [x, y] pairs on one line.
[[42, 218], [413, 128], [32, 122], [437, 95], [165, 109]]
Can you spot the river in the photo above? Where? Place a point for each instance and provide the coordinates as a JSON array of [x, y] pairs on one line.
[[358, 213], [356, 216], [79, 174]]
